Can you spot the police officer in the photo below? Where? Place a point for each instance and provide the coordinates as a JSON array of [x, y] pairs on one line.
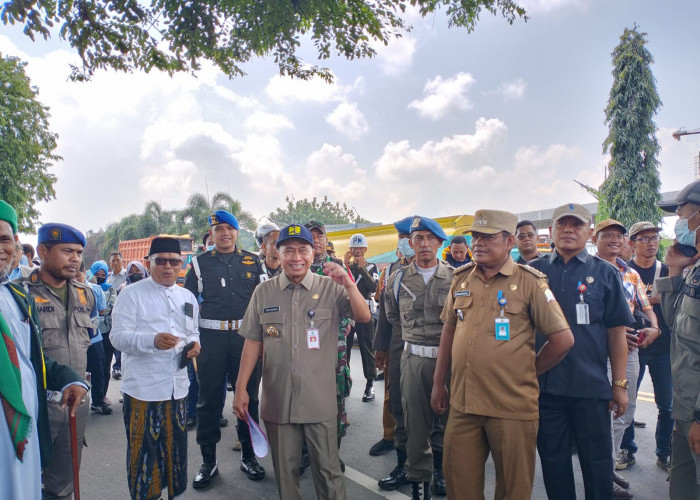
[[224, 278], [414, 297], [576, 396], [488, 339], [64, 307], [366, 276]]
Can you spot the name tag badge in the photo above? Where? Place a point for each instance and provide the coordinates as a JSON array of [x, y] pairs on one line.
[[582, 317], [502, 328], [312, 340]]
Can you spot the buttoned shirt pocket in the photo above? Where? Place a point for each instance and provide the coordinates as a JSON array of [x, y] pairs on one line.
[[273, 325], [406, 310], [82, 322], [442, 296], [51, 330], [594, 296], [512, 311], [321, 319], [463, 304]]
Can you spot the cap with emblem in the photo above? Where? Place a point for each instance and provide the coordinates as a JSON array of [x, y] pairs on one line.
[[223, 217], [295, 232], [317, 225], [638, 227], [572, 210], [689, 194], [403, 226], [419, 223], [8, 214], [53, 233], [492, 222], [608, 223], [358, 241], [163, 244]]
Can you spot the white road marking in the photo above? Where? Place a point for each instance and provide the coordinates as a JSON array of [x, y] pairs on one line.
[[371, 484]]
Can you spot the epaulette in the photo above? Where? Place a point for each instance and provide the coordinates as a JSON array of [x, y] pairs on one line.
[[463, 268], [532, 270]]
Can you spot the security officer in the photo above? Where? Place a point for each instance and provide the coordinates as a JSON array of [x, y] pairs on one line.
[[224, 278], [488, 339], [576, 396], [680, 300], [297, 316], [64, 307], [366, 276], [414, 297]]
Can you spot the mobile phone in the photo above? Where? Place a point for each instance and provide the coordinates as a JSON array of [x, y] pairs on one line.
[[183, 356], [641, 335]]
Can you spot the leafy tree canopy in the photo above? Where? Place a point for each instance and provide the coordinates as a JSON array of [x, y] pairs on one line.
[[179, 35], [302, 211], [26, 145]]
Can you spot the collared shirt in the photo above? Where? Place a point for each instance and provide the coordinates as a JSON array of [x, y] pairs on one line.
[[117, 280], [583, 373], [497, 378], [141, 311], [417, 306], [634, 288], [521, 260], [661, 345], [298, 383]]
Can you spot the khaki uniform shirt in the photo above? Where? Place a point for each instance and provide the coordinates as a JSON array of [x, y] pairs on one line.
[[418, 306], [497, 378], [64, 329], [298, 383]]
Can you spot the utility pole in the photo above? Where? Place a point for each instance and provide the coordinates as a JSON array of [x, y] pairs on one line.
[[677, 136]]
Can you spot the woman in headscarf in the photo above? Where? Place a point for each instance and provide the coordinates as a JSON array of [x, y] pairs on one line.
[[98, 274], [135, 271]]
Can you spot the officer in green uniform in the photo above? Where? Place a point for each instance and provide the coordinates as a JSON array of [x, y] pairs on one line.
[[64, 307], [414, 297], [224, 278]]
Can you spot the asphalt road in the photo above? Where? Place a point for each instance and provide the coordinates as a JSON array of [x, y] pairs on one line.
[[103, 470]]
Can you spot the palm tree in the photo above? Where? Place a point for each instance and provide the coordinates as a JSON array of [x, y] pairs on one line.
[[196, 214]]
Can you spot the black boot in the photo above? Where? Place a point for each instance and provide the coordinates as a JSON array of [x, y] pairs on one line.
[[416, 491], [438, 487], [209, 469], [368, 395], [396, 477], [342, 464], [249, 464]]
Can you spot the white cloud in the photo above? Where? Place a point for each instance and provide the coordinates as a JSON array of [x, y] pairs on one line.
[[396, 57], [547, 6], [347, 119], [512, 90], [263, 122], [283, 89], [444, 95]]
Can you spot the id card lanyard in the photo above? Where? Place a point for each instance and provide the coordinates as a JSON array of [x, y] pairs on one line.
[[312, 337], [502, 324], [582, 316]]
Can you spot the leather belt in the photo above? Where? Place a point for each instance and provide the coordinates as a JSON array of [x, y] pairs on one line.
[[223, 324], [423, 351]]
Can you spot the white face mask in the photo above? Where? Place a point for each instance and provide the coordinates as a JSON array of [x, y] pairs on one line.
[[405, 248], [210, 247], [684, 236]]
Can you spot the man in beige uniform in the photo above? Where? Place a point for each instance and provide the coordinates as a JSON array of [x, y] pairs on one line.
[[296, 315], [414, 297], [64, 307], [488, 339]]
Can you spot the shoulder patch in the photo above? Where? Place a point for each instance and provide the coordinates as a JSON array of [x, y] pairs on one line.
[[532, 270], [41, 300], [465, 267]]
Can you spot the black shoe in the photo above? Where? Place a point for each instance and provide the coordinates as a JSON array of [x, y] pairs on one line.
[[342, 465], [101, 409], [438, 487], [395, 479], [381, 447], [223, 421], [206, 473], [305, 462], [252, 468], [417, 490], [191, 423], [369, 393], [116, 374], [620, 480], [639, 424]]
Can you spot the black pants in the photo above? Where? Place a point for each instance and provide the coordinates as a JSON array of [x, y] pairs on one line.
[[365, 339], [221, 355], [95, 365], [109, 352], [588, 422]]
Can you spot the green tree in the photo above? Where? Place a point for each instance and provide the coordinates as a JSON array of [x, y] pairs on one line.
[[302, 211], [179, 35], [26, 145], [632, 184], [196, 214]]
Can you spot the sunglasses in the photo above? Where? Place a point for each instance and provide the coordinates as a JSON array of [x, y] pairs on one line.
[[161, 261]]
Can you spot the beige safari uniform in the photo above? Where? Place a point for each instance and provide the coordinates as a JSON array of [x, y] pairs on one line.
[[66, 340], [417, 307], [494, 390], [298, 383]]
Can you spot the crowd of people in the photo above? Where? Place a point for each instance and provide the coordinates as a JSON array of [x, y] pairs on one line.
[[481, 354]]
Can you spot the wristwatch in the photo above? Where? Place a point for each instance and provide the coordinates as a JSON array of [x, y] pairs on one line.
[[622, 383]]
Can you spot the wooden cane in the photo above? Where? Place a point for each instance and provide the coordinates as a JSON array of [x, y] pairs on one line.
[[74, 450]]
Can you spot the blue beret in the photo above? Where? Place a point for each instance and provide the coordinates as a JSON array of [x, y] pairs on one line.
[[60, 233], [403, 226], [419, 223], [223, 217], [295, 231]]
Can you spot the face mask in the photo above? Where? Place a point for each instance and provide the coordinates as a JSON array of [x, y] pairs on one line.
[[100, 280], [210, 247], [684, 236], [405, 248], [135, 277]]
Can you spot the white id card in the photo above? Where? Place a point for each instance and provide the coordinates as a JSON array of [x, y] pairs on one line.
[[312, 340], [502, 329], [582, 317]]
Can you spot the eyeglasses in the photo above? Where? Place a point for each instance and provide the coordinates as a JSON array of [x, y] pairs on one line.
[[161, 261], [648, 239], [611, 236], [526, 236]]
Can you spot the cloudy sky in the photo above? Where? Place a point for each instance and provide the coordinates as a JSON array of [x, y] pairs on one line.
[[442, 122]]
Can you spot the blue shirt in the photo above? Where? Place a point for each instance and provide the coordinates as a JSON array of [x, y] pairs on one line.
[[100, 305], [583, 373]]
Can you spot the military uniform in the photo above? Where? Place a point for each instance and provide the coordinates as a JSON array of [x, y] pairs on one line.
[[494, 389], [66, 339], [299, 384], [366, 280], [680, 300], [417, 307]]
